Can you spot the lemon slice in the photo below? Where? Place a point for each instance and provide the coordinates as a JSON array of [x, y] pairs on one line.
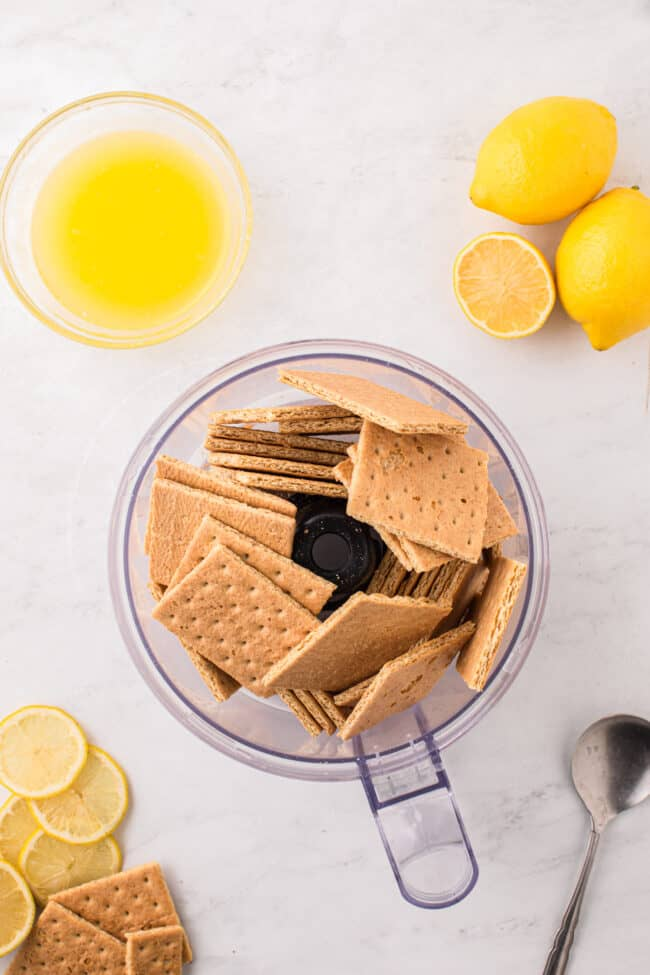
[[504, 285], [17, 824], [42, 751], [16, 908], [91, 807], [50, 865]]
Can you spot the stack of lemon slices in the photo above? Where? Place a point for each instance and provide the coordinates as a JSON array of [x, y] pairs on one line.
[[67, 798]]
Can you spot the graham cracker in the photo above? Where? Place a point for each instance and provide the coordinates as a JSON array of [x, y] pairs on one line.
[[241, 447], [394, 543], [62, 943], [350, 696], [426, 487], [282, 440], [271, 414], [355, 641], [383, 406], [271, 465], [450, 580], [343, 424], [220, 684], [307, 588], [336, 714], [304, 716], [156, 952], [172, 469], [493, 612], [394, 578], [499, 523], [403, 682], [316, 711], [425, 584], [291, 485], [134, 900], [234, 616], [407, 587], [176, 511], [353, 450], [493, 553]]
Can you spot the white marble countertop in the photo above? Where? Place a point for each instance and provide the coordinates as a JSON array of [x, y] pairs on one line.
[[358, 125]]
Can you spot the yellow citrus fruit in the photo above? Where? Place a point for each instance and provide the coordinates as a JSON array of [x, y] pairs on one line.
[[17, 909], [16, 826], [42, 751], [603, 267], [545, 160], [50, 865], [91, 808], [504, 285]]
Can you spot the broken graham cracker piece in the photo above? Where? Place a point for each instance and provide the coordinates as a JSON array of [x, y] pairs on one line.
[[492, 615], [289, 485], [136, 899], [155, 952], [316, 711], [232, 614], [428, 488], [381, 405], [343, 472], [61, 943], [272, 465], [355, 641], [308, 589], [403, 682], [176, 512], [350, 696], [281, 440], [305, 717], [343, 424], [421, 557], [499, 523], [273, 414], [171, 469], [241, 448]]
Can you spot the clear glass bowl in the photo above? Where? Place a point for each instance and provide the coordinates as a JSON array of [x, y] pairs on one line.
[[399, 760], [53, 139]]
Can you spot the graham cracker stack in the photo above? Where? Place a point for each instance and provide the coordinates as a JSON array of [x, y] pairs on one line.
[[304, 716], [247, 435], [289, 485], [216, 445]]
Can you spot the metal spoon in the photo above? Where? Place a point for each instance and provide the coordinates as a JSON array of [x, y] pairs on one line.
[[611, 771]]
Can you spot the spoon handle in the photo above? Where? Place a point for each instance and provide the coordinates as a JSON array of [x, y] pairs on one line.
[[558, 958]]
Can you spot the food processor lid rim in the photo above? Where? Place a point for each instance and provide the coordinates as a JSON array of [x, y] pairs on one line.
[[302, 350]]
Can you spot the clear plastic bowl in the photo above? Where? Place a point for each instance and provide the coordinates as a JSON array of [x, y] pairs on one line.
[[399, 760], [53, 139]]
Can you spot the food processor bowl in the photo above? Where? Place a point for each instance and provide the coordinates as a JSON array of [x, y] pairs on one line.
[[399, 761]]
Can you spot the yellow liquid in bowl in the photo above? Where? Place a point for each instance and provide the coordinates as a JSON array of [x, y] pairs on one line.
[[130, 230]]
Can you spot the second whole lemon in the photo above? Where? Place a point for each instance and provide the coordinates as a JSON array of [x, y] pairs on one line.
[[603, 267], [545, 160]]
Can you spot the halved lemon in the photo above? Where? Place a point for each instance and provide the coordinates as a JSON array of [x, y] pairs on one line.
[[91, 808], [50, 865], [504, 285], [42, 751], [17, 908], [17, 824]]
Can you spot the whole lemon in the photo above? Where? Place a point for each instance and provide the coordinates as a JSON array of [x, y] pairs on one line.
[[545, 160], [603, 267]]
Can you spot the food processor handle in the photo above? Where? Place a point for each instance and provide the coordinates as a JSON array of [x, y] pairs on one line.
[[558, 958], [420, 825]]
